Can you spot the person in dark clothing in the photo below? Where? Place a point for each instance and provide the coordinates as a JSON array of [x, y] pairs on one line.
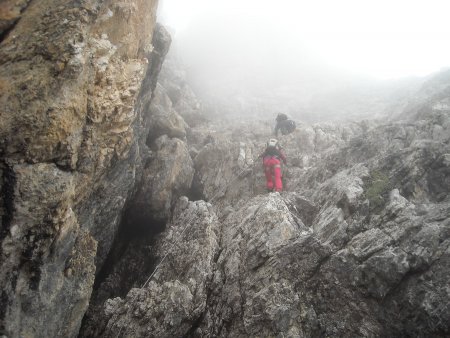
[[281, 117], [272, 157], [284, 125]]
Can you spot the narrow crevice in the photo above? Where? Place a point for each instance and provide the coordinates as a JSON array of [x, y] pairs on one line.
[[394, 291], [196, 191], [7, 199], [402, 326], [192, 332], [130, 261], [198, 322], [5, 33], [7, 210], [318, 267], [135, 228]]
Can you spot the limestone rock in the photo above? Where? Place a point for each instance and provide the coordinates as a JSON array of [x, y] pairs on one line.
[[164, 120], [95, 154], [11, 13], [70, 74], [55, 256], [275, 276], [184, 100], [167, 176]]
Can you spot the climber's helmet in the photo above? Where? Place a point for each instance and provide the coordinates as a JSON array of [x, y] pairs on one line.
[[272, 143]]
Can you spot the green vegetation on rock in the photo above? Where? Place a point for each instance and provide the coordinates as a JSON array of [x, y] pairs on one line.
[[376, 188]]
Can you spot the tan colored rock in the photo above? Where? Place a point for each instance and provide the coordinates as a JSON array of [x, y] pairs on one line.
[[70, 74], [10, 13]]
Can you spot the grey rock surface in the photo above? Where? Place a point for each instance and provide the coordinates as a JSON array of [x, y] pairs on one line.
[[275, 276], [357, 245], [167, 175], [177, 295], [164, 120], [164, 172], [173, 79]]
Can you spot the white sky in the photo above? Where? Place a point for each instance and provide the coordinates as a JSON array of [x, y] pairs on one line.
[[381, 38]]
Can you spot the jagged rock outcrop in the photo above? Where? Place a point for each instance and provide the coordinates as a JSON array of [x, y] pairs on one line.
[[178, 293], [276, 276], [183, 99], [164, 120], [70, 133], [357, 245]]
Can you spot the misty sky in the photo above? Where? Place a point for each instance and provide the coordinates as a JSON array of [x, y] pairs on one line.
[[383, 38]]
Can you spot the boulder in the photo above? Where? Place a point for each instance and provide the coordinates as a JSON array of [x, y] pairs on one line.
[[164, 120]]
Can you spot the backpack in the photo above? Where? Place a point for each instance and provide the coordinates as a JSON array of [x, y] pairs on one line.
[[287, 127], [281, 117]]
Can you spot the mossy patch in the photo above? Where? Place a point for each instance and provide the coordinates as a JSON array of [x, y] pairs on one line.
[[376, 189]]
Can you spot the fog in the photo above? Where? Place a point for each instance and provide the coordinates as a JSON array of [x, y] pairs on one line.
[[300, 56]]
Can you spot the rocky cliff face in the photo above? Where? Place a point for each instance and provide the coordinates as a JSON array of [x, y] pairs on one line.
[[70, 131]]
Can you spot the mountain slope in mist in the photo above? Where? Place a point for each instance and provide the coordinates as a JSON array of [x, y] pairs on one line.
[[356, 245]]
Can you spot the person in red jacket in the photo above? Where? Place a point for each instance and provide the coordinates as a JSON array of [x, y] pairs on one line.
[[272, 157]]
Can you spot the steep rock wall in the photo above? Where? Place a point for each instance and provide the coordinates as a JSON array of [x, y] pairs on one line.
[[165, 173], [70, 72]]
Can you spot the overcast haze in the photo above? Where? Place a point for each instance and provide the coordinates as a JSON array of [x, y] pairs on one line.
[[381, 38], [298, 55]]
